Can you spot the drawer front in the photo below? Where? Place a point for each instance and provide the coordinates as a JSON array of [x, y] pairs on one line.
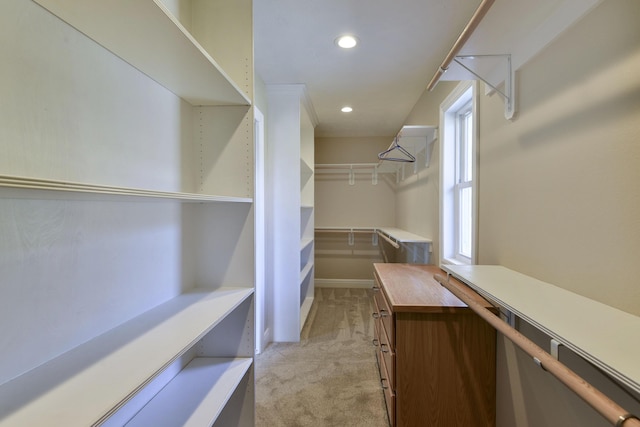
[[389, 358], [389, 394], [384, 313], [377, 330], [378, 327]]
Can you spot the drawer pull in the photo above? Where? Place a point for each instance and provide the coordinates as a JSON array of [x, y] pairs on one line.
[[384, 348], [376, 341], [375, 288], [382, 381], [384, 313], [376, 315]]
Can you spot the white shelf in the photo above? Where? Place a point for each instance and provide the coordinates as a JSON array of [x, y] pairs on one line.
[[355, 168], [305, 243], [395, 234], [603, 335], [145, 34], [340, 168], [418, 131], [196, 396], [306, 172], [402, 236], [89, 383], [367, 230], [306, 270], [12, 186]]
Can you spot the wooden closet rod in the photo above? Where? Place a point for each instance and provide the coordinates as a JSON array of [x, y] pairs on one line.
[[480, 12], [610, 410]]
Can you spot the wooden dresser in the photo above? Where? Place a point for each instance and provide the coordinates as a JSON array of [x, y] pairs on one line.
[[436, 356]]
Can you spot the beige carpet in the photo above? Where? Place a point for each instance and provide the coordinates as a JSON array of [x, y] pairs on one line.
[[330, 378]]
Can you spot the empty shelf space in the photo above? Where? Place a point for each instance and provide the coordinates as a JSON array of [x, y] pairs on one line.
[[90, 382], [177, 61], [14, 186], [196, 396]]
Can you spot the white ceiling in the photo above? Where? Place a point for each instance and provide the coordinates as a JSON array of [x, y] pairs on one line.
[[402, 43]]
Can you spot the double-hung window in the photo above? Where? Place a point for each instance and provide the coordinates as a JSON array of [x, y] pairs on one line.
[[458, 116], [463, 187]]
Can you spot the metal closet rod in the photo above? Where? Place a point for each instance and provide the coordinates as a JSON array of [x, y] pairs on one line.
[[610, 410], [473, 23]]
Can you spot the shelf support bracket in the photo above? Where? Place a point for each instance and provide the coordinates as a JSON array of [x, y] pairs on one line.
[[555, 349], [509, 81]]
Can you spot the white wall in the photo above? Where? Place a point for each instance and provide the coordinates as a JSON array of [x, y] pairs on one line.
[[560, 186]]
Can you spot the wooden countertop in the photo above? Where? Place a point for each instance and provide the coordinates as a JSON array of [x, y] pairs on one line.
[[412, 288]]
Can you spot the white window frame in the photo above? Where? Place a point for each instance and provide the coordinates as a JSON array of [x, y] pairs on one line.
[[450, 185]]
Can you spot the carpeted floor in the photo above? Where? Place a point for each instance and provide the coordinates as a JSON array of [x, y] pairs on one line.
[[328, 379]]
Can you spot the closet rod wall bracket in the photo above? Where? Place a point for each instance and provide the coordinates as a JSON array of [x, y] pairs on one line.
[[555, 348], [509, 93]]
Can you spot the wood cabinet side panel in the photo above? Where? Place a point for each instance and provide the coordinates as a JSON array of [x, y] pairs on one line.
[[445, 372]]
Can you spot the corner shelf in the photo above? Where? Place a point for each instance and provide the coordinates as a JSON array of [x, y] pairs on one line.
[[396, 235], [402, 237], [417, 246], [162, 48], [117, 364]]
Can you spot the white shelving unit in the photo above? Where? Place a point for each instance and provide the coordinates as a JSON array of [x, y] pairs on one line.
[[126, 190], [291, 137], [307, 220]]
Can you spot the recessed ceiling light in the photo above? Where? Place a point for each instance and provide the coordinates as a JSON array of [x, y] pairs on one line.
[[346, 109], [346, 42]]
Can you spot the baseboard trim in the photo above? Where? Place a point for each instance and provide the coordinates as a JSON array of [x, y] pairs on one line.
[[343, 283]]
